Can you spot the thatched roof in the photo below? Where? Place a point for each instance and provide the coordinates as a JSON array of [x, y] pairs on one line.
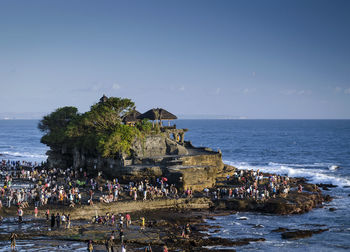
[[157, 114], [131, 117]]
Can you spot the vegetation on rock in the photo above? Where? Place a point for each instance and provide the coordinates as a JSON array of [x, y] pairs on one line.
[[99, 131]]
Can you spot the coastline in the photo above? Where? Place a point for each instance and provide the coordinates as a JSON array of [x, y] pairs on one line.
[[166, 217]]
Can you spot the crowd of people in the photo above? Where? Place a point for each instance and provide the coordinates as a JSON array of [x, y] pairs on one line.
[[71, 187], [32, 184], [27, 184], [250, 184]]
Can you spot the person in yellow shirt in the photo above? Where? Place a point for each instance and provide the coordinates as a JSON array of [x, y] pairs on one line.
[[142, 223]]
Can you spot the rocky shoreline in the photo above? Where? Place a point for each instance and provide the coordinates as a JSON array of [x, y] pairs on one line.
[[166, 217]]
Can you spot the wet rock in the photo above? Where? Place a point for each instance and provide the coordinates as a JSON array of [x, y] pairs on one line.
[[299, 234], [326, 186], [280, 229], [332, 209], [327, 198], [311, 188]]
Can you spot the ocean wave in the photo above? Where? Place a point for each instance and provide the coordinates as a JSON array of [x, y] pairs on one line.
[[23, 154], [319, 165], [314, 175]]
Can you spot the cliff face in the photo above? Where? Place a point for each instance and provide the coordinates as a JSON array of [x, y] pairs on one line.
[[153, 156], [156, 146]]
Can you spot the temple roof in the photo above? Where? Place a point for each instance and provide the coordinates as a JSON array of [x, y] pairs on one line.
[[132, 116], [157, 114]]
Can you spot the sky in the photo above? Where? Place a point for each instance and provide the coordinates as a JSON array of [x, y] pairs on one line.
[[195, 58]]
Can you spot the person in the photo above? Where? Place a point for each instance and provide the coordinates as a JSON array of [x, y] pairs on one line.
[[58, 220], [142, 223], [123, 248], [148, 248], [52, 220], [121, 221], [112, 237], [90, 247], [13, 237], [165, 248], [20, 214], [63, 220], [36, 212], [128, 219], [183, 235], [300, 188], [109, 245], [47, 214], [121, 235], [187, 231], [68, 221]]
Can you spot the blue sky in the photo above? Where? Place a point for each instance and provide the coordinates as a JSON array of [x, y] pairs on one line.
[[249, 59]]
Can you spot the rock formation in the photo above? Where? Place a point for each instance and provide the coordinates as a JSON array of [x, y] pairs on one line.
[[161, 155]]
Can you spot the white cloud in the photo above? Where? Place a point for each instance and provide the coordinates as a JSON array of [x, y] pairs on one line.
[[304, 92], [342, 90], [338, 89], [182, 88], [116, 86], [217, 91], [296, 92], [249, 90]]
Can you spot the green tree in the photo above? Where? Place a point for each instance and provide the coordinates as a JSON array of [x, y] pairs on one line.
[[99, 131], [55, 124], [105, 116]]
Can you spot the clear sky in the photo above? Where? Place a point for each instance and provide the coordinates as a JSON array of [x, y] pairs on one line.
[[253, 59]]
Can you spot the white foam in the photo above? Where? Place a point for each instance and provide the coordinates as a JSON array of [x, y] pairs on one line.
[[314, 175], [333, 167], [24, 154]]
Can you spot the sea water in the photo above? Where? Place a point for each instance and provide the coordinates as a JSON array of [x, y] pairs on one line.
[[316, 149]]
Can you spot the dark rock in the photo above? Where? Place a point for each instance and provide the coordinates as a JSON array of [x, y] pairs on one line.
[[332, 209], [311, 188], [326, 185], [298, 234], [280, 229], [327, 198], [258, 226]]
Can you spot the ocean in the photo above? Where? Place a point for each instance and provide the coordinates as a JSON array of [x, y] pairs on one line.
[[316, 149]]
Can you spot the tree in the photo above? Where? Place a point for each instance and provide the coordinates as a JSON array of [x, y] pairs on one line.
[[105, 116], [55, 124], [99, 131]]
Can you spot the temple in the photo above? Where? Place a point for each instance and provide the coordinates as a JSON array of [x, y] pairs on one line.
[[162, 154]]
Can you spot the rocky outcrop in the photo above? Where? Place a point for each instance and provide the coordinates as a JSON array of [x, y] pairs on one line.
[[294, 203], [152, 156], [298, 234]]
